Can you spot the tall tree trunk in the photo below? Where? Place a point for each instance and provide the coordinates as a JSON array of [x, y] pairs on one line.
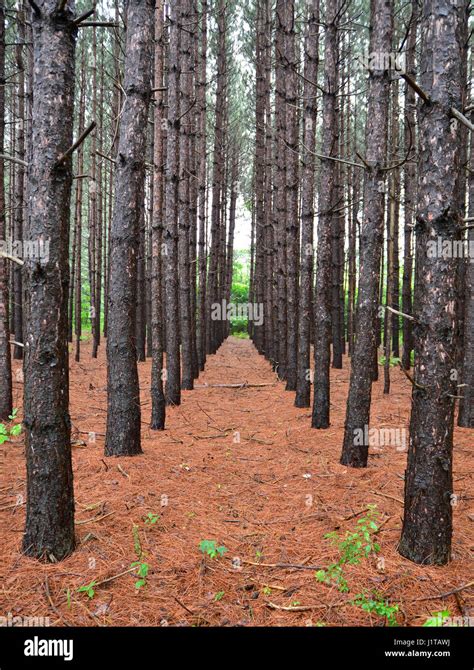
[[217, 211], [49, 530], [158, 405], [5, 360], [259, 177], [322, 305], [184, 224], [291, 222], [170, 237], [279, 199], [427, 523], [371, 242], [466, 404], [409, 176], [19, 188], [123, 409], [78, 217], [311, 51], [201, 157]]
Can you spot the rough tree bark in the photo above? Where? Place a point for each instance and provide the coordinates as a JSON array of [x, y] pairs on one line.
[[466, 404], [409, 175], [279, 206], [311, 51], [158, 405], [184, 224], [123, 407], [170, 237], [49, 530], [259, 177], [322, 303], [427, 523], [371, 241], [202, 191], [291, 180], [5, 360], [19, 188]]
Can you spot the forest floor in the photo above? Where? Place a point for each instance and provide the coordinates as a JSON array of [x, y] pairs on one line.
[[269, 499]]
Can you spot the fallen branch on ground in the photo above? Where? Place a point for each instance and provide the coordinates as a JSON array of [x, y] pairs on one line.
[[444, 595]]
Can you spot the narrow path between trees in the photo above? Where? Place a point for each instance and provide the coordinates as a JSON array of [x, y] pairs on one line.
[[242, 467]]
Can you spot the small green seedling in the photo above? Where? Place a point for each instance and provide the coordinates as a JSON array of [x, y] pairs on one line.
[[88, 588], [10, 431], [151, 519], [209, 548], [375, 604], [353, 547], [219, 595], [142, 572]]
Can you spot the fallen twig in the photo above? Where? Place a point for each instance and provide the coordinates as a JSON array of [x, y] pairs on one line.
[[385, 495], [446, 594], [296, 566], [96, 518], [303, 608]]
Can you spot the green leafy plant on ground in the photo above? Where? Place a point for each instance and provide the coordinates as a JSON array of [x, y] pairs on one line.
[[88, 588], [151, 519], [10, 430], [353, 547], [209, 548], [375, 604], [142, 572]]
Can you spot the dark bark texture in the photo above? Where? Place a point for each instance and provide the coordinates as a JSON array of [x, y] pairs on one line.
[[371, 241], [427, 523], [5, 360], [303, 387], [49, 531], [322, 303], [170, 233], [158, 405], [123, 415]]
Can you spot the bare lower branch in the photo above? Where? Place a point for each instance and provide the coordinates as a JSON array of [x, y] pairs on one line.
[[76, 144], [5, 157], [84, 16], [460, 117], [418, 90], [14, 259], [108, 158], [337, 160], [98, 24], [395, 311]]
